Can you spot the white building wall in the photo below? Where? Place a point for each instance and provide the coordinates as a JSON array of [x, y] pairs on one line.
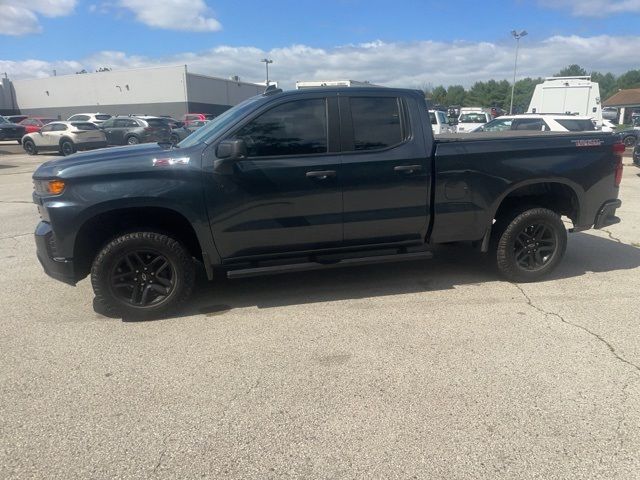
[[219, 91]]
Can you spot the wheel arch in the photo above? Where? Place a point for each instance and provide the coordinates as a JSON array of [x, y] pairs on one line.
[[103, 224]]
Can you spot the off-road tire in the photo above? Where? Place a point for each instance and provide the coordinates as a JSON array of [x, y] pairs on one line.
[[105, 262], [506, 231]]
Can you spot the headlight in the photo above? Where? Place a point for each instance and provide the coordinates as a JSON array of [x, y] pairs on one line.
[[49, 187]]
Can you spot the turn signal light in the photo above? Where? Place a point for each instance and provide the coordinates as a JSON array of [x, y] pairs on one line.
[[55, 187]]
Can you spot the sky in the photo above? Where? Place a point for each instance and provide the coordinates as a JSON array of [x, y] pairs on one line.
[[410, 43]]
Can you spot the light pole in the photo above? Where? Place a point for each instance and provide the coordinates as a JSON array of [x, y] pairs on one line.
[[267, 61], [517, 36]]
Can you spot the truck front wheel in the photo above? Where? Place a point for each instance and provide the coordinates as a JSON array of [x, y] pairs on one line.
[[529, 244], [142, 275]]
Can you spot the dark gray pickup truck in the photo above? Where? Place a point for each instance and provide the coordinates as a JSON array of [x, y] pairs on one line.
[[312, 179]]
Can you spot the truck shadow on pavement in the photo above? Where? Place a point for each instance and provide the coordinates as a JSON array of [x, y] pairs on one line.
[[453, 265]]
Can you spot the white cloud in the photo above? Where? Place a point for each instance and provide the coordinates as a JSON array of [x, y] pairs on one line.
[[20, 17], [594, 8], [392, 64], [187, 15]]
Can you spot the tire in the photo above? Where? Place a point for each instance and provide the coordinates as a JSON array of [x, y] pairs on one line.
[[124, 288], [629, 141], [529, 244], [133, 140], [67, 148], [30, 147], [19, 141]]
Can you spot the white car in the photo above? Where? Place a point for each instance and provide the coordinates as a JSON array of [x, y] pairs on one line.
[[540, 123], [439, 122], [96, 118], [64, 137], [472, 118]]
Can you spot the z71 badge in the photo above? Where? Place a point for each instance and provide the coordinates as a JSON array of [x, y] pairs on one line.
[[588, 142]]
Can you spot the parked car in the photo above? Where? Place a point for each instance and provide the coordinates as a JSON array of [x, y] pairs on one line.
[[16, 118], [264, 189], [629, 137], [180, 133], [34, 124], [64, 137], [439, 122], [471, 118], [10, 131], [192, 117], [610, 113], [636, 155], [134, 130], [96, 118], [540, 123]]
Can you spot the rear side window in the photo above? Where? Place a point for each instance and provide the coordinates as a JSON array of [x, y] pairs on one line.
[[575, 125], [84, 126], [376, 122], [156, 122], [293, 128], [103, 117], [79, 118], [59, 127], [535, 124], [432, 116]]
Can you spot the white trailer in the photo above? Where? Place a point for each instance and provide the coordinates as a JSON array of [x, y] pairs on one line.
[[333, 83], [568, 95]]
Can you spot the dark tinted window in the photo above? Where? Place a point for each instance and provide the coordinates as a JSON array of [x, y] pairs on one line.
[[80, 118], [47, 128], [294, 128], [103, 117], [59, 127], [376, 122], [109, 123], [575, 125], [125, 123], [84, 126], [529, 124], [157, 122]]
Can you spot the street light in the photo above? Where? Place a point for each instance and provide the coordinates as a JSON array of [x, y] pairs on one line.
[[267, 61], [517, 36]]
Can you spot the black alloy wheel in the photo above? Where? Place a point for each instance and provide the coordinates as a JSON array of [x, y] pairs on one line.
[[142, 278], [29, 147], [535, 246], [629, 141]]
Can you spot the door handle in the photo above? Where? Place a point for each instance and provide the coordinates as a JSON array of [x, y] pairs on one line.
[[407, 168], [321, 174]]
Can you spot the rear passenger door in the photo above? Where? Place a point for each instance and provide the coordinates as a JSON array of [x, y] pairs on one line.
[[385, 169]]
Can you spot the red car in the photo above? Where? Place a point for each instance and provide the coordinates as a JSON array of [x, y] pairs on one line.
[[34, 124], [189, 118]]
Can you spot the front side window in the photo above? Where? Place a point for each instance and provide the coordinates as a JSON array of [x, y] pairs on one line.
[[497, 125], [47, 128], [376, 122], [293, 128], [59, 127], [533, 124]]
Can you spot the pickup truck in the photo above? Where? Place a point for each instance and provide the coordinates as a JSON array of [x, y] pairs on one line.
[[313, 179]]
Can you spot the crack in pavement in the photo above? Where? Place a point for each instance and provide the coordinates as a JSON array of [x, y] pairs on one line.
[[611, 236], [17, 201], [585, 329], [15, 237], [163, 452]]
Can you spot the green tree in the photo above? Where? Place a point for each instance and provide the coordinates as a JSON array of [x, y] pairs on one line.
[[439, 95], [631, 79], [572, 71], [607, 82], [455, 95]]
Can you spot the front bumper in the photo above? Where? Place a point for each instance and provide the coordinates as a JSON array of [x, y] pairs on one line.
[[56, 267], [607, 214]]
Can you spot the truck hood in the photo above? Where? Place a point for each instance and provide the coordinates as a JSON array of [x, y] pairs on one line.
[[107, 161]]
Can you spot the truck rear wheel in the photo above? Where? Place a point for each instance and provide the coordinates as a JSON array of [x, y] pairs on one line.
[[142, 275], [529, 244]]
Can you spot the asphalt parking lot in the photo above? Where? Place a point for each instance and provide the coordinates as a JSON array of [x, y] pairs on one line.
[[432, 369]]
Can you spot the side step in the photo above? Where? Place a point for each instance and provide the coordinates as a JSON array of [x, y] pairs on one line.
[[347, 262]]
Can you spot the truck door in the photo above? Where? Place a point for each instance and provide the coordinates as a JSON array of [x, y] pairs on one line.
[[285, 195], [385, 169]]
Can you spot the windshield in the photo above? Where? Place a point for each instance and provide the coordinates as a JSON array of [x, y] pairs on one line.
[[473, 118], [220, 122]]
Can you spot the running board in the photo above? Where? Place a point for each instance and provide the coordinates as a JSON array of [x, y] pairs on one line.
[[347, 262]]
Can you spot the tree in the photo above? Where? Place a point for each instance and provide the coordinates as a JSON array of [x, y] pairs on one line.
[[607, 84], [631, 79], [455, 95], [572, 71], [439, 95]]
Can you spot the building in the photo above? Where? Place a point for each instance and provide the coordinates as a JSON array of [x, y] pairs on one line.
[[333, 83], [169, 90], [626, 101]]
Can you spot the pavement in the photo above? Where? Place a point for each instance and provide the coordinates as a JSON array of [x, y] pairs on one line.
[[433, 369]]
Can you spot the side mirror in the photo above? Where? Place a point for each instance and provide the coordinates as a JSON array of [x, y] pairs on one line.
[[227, 152], [231, 149]]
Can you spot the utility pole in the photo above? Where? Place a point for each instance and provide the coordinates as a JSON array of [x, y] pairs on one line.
[[517, 35], [267, 61]]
